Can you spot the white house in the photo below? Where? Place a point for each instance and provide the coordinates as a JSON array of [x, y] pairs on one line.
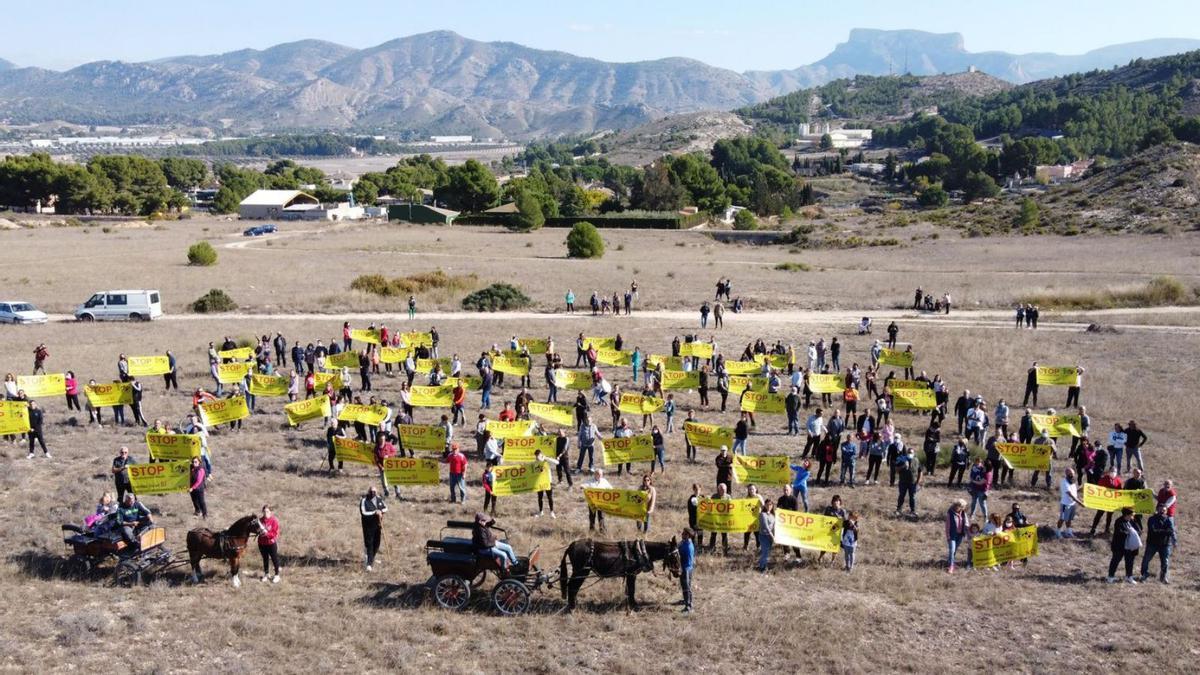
[[275, 203]]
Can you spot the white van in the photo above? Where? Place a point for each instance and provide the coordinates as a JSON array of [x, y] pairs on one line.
[[120, 306]]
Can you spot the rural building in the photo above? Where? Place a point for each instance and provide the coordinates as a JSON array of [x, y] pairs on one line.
[[274, 203], [421, 213], [810, 136], [504, 209]]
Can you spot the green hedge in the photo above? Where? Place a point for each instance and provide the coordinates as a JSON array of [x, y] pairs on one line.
[[664, 222]]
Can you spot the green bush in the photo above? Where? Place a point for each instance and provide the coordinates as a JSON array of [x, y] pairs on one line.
[[496, 297], [202, 254], [216, 300], [529, 214], [584, 241], [793, 267], [933, 196], [377, 284], [744, 220]]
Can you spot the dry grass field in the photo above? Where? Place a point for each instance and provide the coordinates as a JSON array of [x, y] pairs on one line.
[[898, 610]]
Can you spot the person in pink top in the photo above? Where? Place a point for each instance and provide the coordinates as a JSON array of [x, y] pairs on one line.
[[72, 385], [268, 543], [197, 489]]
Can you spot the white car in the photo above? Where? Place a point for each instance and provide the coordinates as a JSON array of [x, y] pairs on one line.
[[124, 305], [16, 311]]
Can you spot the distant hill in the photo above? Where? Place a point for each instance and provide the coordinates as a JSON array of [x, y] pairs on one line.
[[7, 65], [686, 132], [441, 82]]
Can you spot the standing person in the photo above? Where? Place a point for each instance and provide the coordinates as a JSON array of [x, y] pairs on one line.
[[933, 436], [196, 490], [35, 434], [800, 475], [791, 405], [456, 461], [371, 509], [815, 427], [598, 482], [120, 475], [741, 433], [335, 430], [718, 312], [40, 354], [588, 433], [1126, 542], [980, 484], [960, 457], [849, 460], [643, 525], [1135, 440], [136, 389], [704, 310], [723, 494], [850, 539], [562, 454], [171, 377], [72, 392], [268, 543], [1166, 497], [909, 475], [660, 450], [766, 533], [1031, 385], [892, 331], [570, 298], [956, 531], [1160, 538], [549, 494], [412, 307], [1111, 481], [1068, 501], [687, 565], [724, 464], [723, 387], [1116, 446]]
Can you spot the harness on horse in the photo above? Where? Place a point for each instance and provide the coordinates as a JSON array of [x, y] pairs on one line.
[[634, 557], [227, 544]]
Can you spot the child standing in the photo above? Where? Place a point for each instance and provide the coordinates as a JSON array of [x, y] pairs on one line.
[[850, 539]]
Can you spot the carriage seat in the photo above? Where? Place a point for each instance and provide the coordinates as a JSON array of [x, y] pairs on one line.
[[450, 545], [444, 558]]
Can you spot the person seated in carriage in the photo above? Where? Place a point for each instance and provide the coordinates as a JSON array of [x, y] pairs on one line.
[[102, 520], [864, 326], [485, 542], [132, 516]]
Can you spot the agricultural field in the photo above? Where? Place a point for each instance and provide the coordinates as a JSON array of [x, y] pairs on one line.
[[898, 610]]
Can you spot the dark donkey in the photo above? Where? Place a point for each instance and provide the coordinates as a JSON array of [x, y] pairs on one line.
[[614, 559], [226, 545]]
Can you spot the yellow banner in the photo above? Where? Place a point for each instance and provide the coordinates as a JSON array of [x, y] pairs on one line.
[[703, 350], [268, 385], [1108, 499], [230, 373], [417, 339], [393, 354], [514, 429], [422, 437], [515, 479], [640, 405], [762, 469], [173, 447], [897, 383], [618, 503], [224, 410], [990, 550], [432, 397], [562, 415], [1062, 376], [895, 357], [1057, 425], [308, 409], [678, 379], [426, 365], [776, 360], [512, 365], [14, 417], [808, 530], [342, 360], [103, 395], [334, 380], [740, 383], [410, 471], [368, 335], [614, 357], [630, 449], [708, 435], [728, 515], [913, 399], [41, 386], [351, 450], [668, 362], [524, 449], [143, 366], [742, 367], [826, 383], [159, 478], [579, 380], [237, 353], [753, 401], [535, 345], [599, 343], [470, 382], [370, 415], [1025, 455]]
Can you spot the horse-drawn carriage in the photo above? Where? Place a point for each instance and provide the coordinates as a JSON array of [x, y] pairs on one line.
[[92, 548], [457, 572]]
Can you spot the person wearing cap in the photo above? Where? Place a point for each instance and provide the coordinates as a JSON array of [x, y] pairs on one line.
[[457, 463], [724, 463], [1160, 538], [371, 509], [485, 542]]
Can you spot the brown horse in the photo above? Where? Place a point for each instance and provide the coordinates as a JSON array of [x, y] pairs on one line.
[[614, 559], [227, 545]]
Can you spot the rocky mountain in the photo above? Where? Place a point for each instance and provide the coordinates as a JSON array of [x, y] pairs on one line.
[[441, 82]]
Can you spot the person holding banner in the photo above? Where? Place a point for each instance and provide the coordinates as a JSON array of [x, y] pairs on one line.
[[1044, 439], [72, 391], [371, 508], [196, 489], [721, 493], [1111, 481], [539, 457], [800, 475], [643, 526], [36, 420], [334, 430], [457, 463], [1126, 542]]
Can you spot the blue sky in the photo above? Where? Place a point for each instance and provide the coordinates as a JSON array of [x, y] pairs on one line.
[[760, 35]]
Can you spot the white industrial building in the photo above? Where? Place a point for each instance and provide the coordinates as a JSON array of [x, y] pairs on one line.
[[810, 136], [294, 205]]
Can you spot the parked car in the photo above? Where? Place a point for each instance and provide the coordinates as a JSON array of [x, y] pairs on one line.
[[258, 230], [127, 305], [17, 311]]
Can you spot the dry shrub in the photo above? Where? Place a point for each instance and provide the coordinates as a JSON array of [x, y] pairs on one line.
[[377, 284], [1159, 291]]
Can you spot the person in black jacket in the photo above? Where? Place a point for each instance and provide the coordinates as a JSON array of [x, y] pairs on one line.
[[371, 509], [36, 420], [1031, 385], [1126, 541], [1160, 538], [961, 407]]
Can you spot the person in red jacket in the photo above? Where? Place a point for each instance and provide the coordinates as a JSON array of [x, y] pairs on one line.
[[268, 543], [383, 450], [1166, 499], [1110, 479], [457, 463], [508, 414]]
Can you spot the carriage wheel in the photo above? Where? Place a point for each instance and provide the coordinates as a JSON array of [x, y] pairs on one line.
[[452, 592], [511, 597], [128, 573], [78, 566]]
